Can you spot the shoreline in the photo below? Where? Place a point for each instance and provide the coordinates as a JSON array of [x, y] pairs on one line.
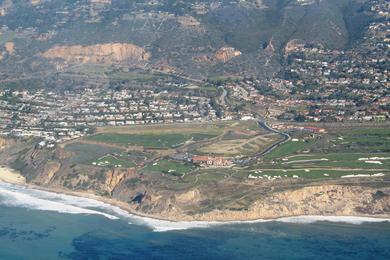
[[10, 176]]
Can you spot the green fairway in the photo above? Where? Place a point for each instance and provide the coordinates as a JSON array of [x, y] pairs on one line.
[[170, 167], [289, 148], [337, 156], [86, 153], [344, 160], [149, 140], [368, 140], [311, 173], [112, 161], [346, 152]]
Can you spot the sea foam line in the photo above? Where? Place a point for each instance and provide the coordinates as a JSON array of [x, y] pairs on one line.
[[21, 199], [20, 196]]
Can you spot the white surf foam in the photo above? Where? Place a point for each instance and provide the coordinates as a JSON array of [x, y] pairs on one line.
[[19, 196], [336, 219], [163, 226]]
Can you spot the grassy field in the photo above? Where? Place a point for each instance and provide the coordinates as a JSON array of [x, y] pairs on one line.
[[113, 161], [353, 160], [311, 173], [86, 153], [148, 140], [289, 148], [331, 156], [132, 76], [343, 143], [371, 140], [172, 136], [89, 69], [170, 167], [336, 156], [214, 128], [239, 147]]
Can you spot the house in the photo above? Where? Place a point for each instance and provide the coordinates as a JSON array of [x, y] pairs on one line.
[[315, 129], [208, 161]]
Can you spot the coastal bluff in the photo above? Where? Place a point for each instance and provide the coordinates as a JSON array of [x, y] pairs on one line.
[[227, 200]]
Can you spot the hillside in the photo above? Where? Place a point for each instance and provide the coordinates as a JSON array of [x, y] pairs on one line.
[[197, 39]]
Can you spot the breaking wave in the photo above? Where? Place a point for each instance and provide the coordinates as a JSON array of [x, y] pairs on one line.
[[20, 196]]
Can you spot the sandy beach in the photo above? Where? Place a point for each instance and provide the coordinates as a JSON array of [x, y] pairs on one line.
[[11, 176]]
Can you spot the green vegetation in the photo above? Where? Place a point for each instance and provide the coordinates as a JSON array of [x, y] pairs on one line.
[[89, 69], [132, 76], [18, 164], [133, 182], [212, 175], [289, 148], [149, 140], [220, 80], [330, 156], [113, 161], [311, 173], [86, 153], [335, 156], [369, 140], [170, 167], [247, 146]]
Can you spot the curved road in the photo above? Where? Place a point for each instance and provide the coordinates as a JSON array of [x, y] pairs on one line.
[[286, 138], [264, 125]]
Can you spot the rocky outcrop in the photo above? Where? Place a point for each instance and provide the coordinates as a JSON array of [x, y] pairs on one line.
[[115, 177], [228, 200], [99, 53], [226, 53], [222, 55], [337, 200], [5, 6], [293, 45], [188, 22], [270, 47], [192, 196], [35, 2], [10, 47], [3, 143], [48, 172]]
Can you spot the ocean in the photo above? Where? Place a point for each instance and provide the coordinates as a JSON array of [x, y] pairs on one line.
[[42, 225]]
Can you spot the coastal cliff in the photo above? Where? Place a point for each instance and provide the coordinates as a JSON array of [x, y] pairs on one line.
[[326, 200], [230, 200]]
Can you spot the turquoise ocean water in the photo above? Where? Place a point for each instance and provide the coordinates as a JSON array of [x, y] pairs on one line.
[[42, 225]]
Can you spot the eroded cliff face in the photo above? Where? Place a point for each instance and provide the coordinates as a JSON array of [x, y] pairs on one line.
[[115, 177], [151, 195], [293, 45], [327, 200], [335, 200], [3, 143], [99, 53], [226, 53], [222, 55]]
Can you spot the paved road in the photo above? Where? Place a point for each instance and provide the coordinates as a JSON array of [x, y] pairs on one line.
[[264, 125], [286, 138]]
